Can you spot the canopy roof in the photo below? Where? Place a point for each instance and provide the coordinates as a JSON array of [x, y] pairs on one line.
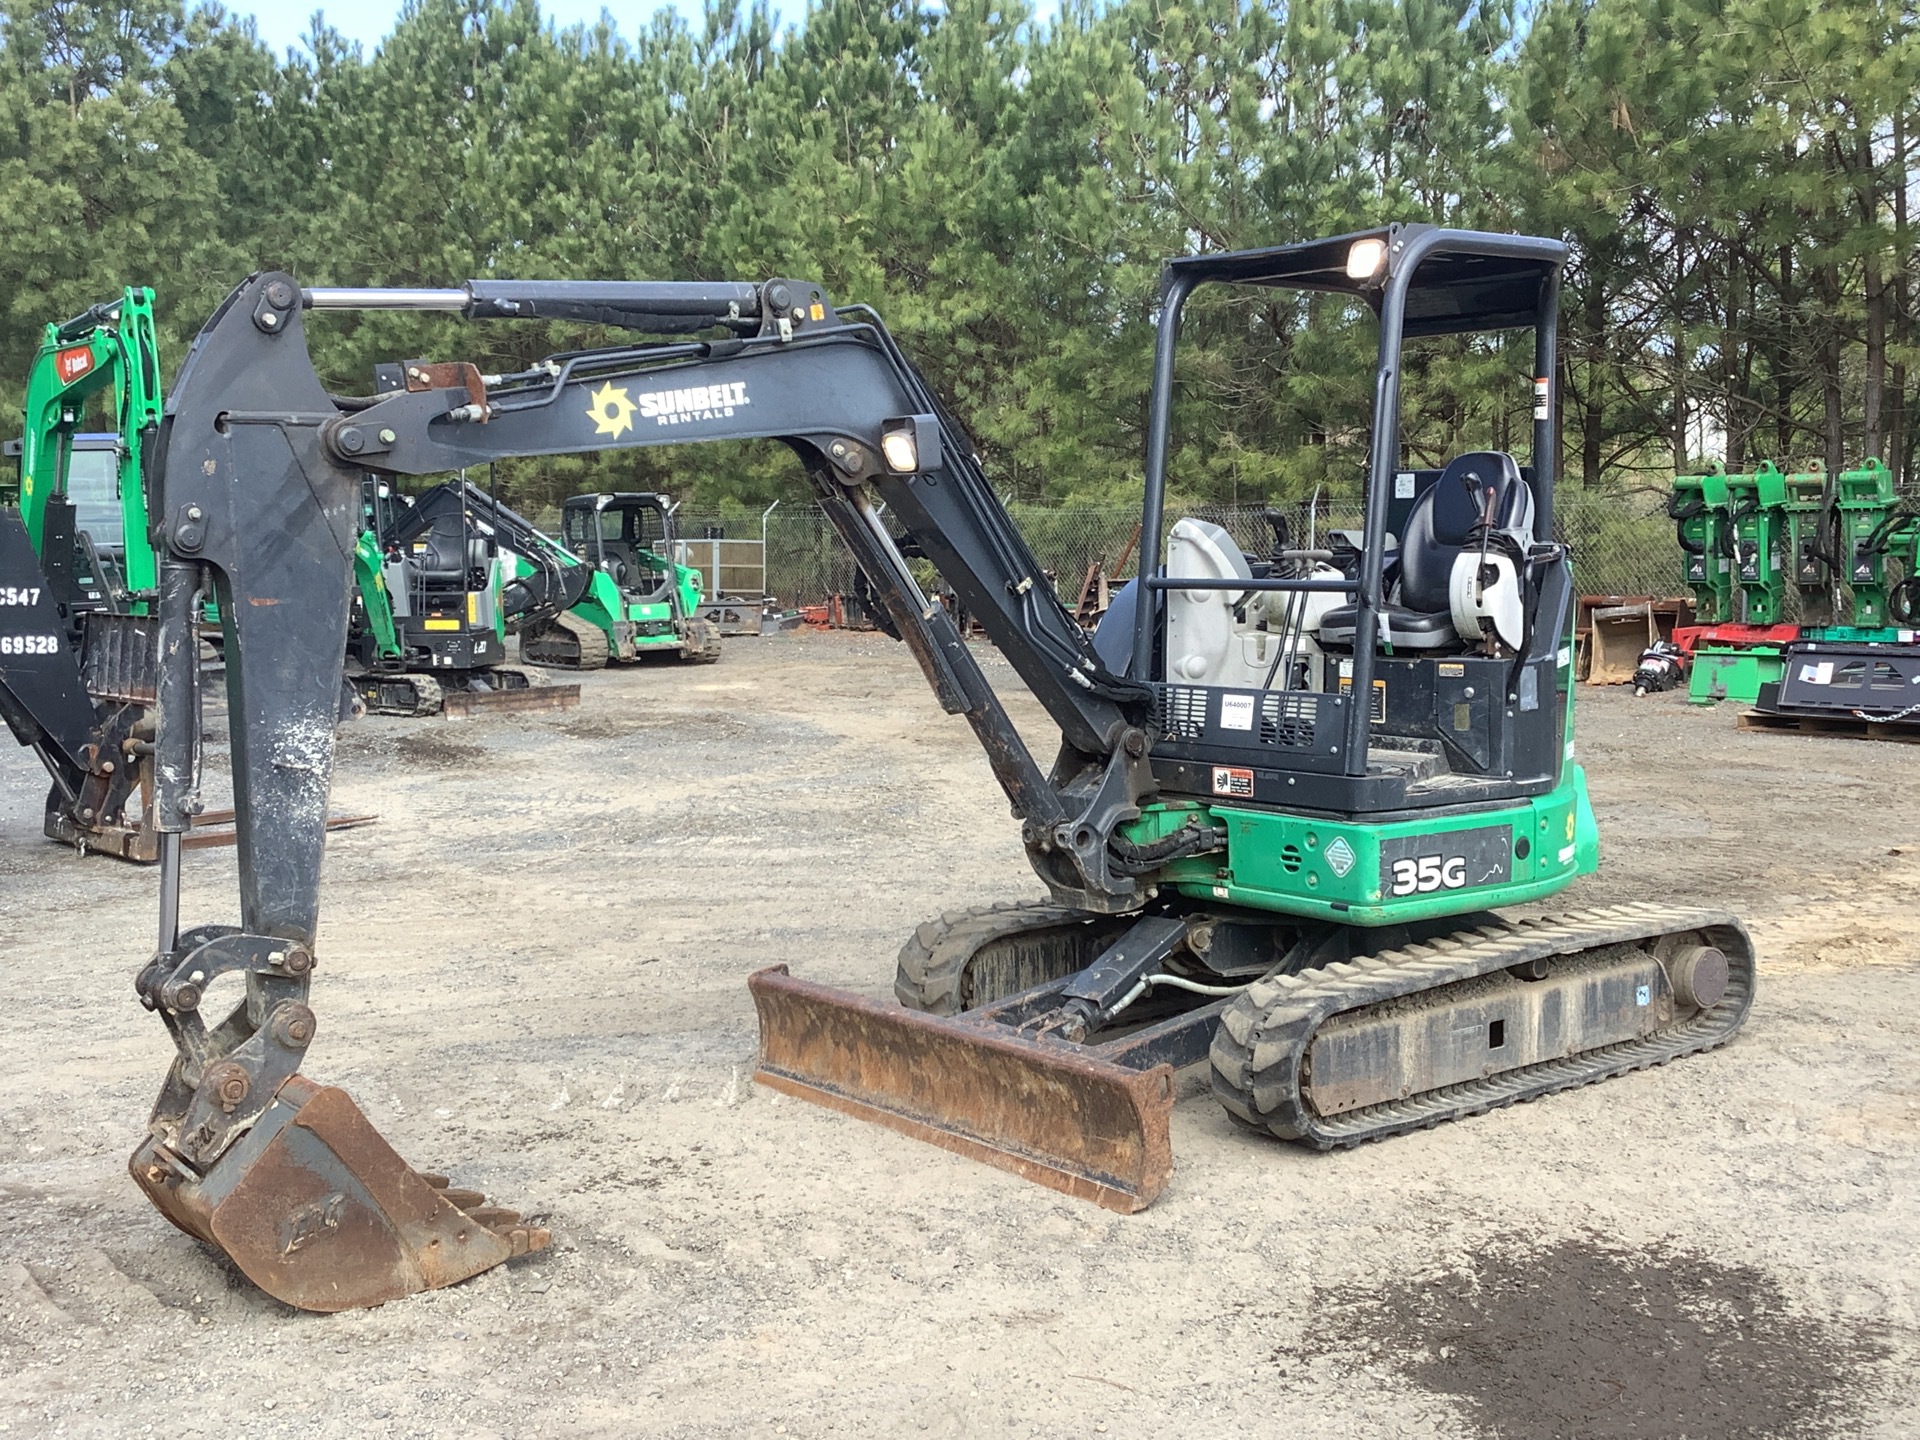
[[1464, 280]]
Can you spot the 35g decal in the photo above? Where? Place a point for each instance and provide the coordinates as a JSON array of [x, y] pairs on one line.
[[1426, 873], [1451, 860]]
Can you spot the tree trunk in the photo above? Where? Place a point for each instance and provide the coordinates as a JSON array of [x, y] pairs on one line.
[[1783, 366], [1680, 358], [1834, 423], [1731, 389], [1898, 419], [1875, 294], [1593, 415]]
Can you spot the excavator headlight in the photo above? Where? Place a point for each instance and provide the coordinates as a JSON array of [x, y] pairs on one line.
[[1366, 257], [911, 444], [902, 454]]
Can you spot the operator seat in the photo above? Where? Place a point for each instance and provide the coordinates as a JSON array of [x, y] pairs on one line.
[[448, 557], [1418, 615]]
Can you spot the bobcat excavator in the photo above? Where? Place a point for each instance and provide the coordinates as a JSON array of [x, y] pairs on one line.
[[436, 592], [1285, 801]]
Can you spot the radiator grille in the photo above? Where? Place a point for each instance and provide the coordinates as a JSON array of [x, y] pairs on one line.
[[1183, 712], [1287, 719]]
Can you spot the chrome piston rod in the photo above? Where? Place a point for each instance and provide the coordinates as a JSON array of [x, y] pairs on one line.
[[351, 298]]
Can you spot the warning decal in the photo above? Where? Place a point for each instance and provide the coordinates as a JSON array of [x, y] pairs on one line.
[[1234, 781]]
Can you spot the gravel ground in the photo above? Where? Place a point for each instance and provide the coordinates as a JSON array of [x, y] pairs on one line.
[[532, 977]]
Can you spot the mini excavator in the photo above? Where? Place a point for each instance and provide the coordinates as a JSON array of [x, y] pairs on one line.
[[76, 568], [1287, 798]]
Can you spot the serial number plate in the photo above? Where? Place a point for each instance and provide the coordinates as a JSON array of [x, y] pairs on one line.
[[1451, 860]]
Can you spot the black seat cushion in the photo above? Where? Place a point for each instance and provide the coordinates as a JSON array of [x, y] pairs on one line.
[[1420, 616], [1446, 512], [1400, 627]]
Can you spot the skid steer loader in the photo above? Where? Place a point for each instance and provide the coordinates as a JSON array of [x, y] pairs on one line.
[[641, 602], [1287, 796]]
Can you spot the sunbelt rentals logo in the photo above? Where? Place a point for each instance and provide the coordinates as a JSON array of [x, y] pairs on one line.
[[699, 402], [612, 409]]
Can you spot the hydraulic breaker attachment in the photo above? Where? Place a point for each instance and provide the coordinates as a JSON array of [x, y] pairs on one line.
[[318, 1211], [1063, 1115]]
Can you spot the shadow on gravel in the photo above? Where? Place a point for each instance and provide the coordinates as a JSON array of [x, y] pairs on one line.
[[1582, 1339]]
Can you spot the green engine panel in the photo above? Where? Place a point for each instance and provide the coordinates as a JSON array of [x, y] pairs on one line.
[[1384, 874]]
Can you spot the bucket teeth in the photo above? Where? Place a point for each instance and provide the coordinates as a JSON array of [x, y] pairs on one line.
[[501, 1221], [494, 1217]]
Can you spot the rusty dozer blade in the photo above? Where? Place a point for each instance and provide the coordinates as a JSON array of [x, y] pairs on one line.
[[1041, 1108], [318, 1211]]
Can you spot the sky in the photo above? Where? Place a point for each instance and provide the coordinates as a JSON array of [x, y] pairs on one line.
[[369, 21]]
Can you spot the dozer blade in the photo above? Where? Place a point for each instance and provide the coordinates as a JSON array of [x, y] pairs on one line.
[[464, 704], [1041, 1108], [318, 1211]]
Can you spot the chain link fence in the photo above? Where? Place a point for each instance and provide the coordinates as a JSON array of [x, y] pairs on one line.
[[1616, 550]]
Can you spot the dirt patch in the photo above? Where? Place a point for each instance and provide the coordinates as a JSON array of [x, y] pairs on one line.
[[617, 725], [436, 750], [1583, 1338]]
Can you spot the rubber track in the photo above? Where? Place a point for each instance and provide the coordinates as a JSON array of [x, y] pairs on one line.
[[529, 676], [702, 645], [589, 643], [934, 960], [1261, 1046], [428, 697]]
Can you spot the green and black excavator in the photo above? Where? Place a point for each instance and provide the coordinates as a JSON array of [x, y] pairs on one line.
[[79, 493], [436, 593], [1289, 796], [78, 543], [79, 537]]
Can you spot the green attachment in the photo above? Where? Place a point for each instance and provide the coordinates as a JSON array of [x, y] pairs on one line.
[[1871, 529], [1757, 510], [1809, 541], [1722, 672], [1860, 634], [1698, 507]]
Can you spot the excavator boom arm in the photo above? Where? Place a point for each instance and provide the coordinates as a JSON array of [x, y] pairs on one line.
[[833, 387]]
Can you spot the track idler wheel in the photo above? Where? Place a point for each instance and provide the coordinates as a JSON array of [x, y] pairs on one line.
[[316, 1209]]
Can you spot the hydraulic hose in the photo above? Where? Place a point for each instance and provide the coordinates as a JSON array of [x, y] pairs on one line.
[[1196, 837]]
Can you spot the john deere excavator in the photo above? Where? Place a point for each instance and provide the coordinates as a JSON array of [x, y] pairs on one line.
[[1286, 799]]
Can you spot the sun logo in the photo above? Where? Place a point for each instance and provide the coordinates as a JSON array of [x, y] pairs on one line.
[[611, 411]]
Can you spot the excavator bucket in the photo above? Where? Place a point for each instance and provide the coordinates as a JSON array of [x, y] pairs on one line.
[[1046, 1110], [318, 1211]]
